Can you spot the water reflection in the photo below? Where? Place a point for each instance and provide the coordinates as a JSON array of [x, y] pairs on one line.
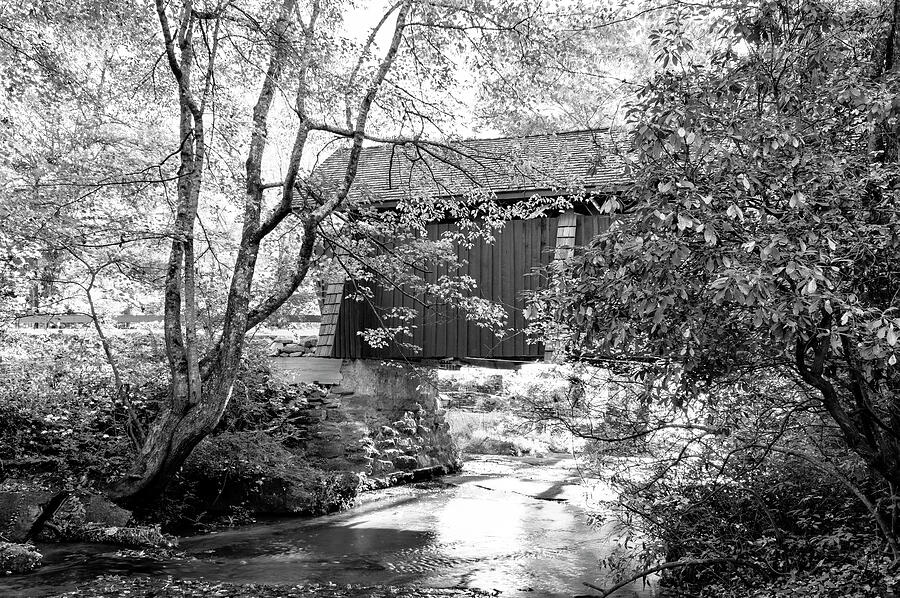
[[481, 523]]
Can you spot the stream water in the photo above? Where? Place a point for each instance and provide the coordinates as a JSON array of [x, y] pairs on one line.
[[516, 525]]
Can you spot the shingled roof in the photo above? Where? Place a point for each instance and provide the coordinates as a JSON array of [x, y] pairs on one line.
[[563, 161]]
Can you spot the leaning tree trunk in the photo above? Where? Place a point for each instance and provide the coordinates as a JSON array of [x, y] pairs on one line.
[[199, 389], [174, 434]]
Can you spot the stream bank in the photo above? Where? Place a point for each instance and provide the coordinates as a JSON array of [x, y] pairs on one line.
[[509, 525]]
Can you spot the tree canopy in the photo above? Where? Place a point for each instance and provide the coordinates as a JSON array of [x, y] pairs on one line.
[[761, 233]]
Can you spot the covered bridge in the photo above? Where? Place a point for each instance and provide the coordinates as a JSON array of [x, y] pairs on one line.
[[583, 163]]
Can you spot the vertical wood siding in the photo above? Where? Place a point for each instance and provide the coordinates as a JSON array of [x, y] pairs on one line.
[[504, 271]]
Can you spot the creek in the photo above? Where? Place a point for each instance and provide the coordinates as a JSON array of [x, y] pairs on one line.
[[513, 524]]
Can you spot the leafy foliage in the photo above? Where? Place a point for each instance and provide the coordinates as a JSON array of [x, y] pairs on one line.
[[60, 412], [811, 537], [63, 425], [80, 140], [756, 475], [761, 232]]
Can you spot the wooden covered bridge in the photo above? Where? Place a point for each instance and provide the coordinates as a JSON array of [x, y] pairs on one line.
[[583, 163]]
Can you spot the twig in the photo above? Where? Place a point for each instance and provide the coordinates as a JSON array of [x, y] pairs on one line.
[[670, 565]]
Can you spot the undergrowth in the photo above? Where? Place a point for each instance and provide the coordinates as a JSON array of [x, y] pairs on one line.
[[63, 425]]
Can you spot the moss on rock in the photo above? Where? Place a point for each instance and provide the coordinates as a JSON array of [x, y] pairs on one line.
[[18, 558], [138, 536]]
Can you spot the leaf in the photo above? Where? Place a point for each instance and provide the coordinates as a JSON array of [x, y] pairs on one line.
[[735, 212], [610, 205], [797, 200], [757, 318]]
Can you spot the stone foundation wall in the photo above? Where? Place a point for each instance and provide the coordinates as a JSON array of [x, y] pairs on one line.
[[286, 346], [381, 419]]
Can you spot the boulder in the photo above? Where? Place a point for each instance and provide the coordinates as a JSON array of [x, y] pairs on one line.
[[390, 454], [310, 342], [18, 558], [58, 515], [19, 510], [101, 510], [82, 510], [381, 466], [137, 536], [405, 462]]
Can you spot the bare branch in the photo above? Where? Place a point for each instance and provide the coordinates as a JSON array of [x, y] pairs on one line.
[[362, 56], [290, 179], [364, 107], [605, 593]]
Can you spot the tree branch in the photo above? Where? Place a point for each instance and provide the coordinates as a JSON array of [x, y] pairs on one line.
[[238, 299], [364, 107], [362, 56], [290, 179], [277, 298], [671, 565]]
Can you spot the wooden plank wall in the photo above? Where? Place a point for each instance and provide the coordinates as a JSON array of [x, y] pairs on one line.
[[502, 270], [331, 309]]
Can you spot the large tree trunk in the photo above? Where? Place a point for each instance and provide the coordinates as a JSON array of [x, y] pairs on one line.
[[174, 434]]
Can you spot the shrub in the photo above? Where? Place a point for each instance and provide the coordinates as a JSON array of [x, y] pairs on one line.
[[59, 412], [798, 530]]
